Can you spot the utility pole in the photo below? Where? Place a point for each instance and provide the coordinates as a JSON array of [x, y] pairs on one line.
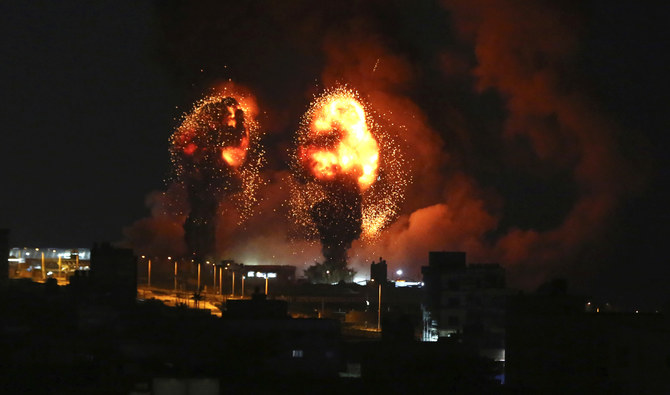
[[379, 310]]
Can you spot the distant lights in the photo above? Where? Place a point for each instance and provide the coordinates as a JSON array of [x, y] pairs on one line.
[[261, 275]]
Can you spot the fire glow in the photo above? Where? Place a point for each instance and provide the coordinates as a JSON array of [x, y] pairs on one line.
[[217, 157], [190, 138], [339, 140]]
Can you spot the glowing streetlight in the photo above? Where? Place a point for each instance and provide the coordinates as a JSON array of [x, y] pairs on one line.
[[198, 276], [399, 272], [379, 310], [175, 273], [220, 281]]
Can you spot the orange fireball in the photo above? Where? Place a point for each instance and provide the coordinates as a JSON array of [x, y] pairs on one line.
[[339, 140]]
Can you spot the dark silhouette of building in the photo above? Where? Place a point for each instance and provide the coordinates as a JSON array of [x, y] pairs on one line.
[[556, 345], [258, 307], [114, 273], [4, 254], [379, 271], [465, 303]]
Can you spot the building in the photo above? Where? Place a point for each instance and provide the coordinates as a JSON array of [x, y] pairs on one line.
[[379, 271], [465, 303], [114, 273], [42, 263], [555, 346], [4, 254], [274, 276]]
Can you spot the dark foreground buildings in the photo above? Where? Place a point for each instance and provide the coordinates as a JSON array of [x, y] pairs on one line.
[[4, 254], [465, 303], [557, 344], [93, 336]]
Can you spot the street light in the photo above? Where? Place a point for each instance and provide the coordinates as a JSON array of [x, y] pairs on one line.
[[221, 282], [175, 273], [243, 277], [198, 276], [214, 275], [379, 310]]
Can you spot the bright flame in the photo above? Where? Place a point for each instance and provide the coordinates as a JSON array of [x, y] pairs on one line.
[[339, 119], [235, 155], [341, 136], [191, 128]]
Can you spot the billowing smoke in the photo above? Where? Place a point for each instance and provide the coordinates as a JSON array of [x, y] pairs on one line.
[[201, 167], [216, 160], [338, 222], [512, 160]]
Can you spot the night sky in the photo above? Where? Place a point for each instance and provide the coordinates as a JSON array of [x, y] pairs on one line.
[[539, 133]]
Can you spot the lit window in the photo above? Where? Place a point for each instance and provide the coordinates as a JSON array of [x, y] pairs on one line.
[[296, 353]]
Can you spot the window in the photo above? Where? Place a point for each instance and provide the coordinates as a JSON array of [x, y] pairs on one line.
[[296, 353]]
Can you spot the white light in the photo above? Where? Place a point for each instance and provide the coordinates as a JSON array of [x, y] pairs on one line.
[[49, 273], [408, 284], [272, 275], [399, 272], [27, 254], [251, 274]]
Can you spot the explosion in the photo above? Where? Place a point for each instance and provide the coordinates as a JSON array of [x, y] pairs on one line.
[[216, 156], [340, 123], [349, 176]]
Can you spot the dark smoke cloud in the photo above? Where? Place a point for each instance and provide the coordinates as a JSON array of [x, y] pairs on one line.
[[338, 220], [512, 160]]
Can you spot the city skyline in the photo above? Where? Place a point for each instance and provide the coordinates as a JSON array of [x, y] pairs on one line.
[[565, 184]]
